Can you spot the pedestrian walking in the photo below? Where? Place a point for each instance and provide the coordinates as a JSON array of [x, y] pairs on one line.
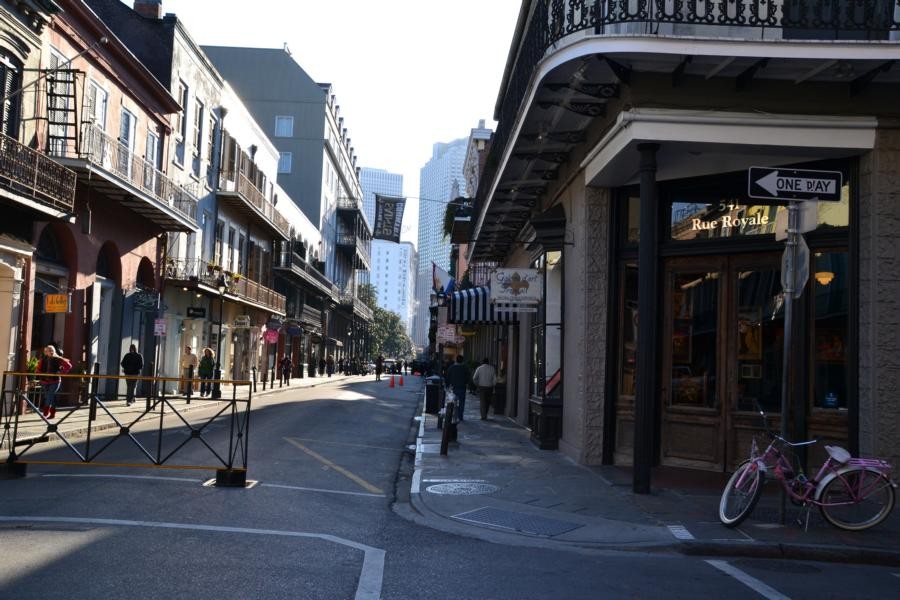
[[458, 377], [379, 367], [132, 364], [329, 365], [405, 368], [189, 365], [484, 378], [286, 366], [206, 370], [341, 365], [51, 365]]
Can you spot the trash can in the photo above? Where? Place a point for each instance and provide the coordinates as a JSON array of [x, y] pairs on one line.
[[434, 391]]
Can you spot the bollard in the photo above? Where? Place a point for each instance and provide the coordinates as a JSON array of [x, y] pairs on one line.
[[448, 425], [95, 384], [253, 371], [190, 383]]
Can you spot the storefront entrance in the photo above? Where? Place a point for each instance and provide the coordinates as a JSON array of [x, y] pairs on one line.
[[724, 330]]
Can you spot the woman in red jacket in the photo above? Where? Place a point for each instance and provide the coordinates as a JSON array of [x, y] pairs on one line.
[[51, 365]]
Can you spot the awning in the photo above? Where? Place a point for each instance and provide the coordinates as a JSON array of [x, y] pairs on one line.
[[474, 306]]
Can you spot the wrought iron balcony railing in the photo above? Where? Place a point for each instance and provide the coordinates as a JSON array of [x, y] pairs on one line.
[[359, 307], [209, 274], [352, 240], [349, 204], [29, 173], [115, 158], [554, 20], [230, 181], [292, 260]]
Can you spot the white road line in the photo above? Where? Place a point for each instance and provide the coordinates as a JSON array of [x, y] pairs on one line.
[[416, 485], [751, 582], [309, 489], [185, 480], [371, 576], [680, 532]]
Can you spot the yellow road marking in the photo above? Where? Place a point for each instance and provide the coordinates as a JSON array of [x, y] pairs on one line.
[[355, 478], [349, 444]]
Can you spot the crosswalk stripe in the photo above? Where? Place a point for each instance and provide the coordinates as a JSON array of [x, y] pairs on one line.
[[753, 583]]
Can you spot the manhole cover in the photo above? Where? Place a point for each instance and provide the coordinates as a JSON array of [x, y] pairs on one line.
[[462, 488]]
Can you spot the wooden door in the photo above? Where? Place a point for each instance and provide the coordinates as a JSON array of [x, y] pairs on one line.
[[693, 361]]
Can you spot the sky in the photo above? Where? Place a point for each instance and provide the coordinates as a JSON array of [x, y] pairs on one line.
[[406, 73]]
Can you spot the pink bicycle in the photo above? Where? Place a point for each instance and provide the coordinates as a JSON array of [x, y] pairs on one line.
[[851, 493]]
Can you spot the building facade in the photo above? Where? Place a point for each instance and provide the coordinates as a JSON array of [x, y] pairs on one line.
[[378, 181], [393, 268], [619, 173], [440, 181]]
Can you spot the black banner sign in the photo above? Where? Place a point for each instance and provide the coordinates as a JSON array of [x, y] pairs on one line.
[[388, 218]]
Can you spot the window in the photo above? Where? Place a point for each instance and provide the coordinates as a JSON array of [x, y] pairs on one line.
[[546, 330], [284, 126], [95, 105], [198, 128], [127, 125], [10, 80], [210, 139], [220, 242], [231, 247], [152, 162], [181, 124], [284, 162]]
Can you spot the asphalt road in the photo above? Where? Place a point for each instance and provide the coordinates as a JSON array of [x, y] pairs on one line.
[[324, 520]]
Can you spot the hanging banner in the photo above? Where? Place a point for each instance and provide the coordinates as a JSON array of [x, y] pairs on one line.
[[388, 218]]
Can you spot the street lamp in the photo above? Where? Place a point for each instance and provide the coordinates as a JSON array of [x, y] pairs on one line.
[[222, 287]]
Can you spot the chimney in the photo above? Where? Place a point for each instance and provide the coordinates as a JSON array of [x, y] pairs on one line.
[[151, 9]]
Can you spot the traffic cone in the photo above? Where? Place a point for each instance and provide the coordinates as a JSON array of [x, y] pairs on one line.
[[401, 380], [392, 382]]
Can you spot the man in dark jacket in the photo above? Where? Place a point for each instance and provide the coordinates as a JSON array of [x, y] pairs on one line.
[[132, 364], [458, 378]]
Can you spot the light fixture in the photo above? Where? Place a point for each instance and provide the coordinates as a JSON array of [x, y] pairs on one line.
[[185, 288], [199, 295], [824, 277], [221, 285]]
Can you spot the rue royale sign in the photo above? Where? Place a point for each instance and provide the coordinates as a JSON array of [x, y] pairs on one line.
[[794, 184]]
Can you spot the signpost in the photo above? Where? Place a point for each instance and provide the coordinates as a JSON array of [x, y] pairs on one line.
[[793, 185], [159, 327]]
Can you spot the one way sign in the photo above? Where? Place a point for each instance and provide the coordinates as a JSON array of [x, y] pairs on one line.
[[794, 184]]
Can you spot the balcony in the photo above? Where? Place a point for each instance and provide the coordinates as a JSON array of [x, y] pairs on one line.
[[357, 245], [357, 306], [238, 192], [197, 273], [39, 181], [104, 164], [295, 264], [579, 66]]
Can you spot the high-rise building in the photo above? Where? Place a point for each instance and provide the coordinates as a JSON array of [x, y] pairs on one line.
[[393, 265], [394, 278], [440, 180]]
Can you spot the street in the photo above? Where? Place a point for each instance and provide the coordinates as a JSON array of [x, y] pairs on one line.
[[329, 517]]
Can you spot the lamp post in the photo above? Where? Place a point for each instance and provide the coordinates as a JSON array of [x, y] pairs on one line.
[[222, 287]]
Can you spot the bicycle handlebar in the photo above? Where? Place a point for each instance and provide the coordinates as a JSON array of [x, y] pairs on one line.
[[775, 436]]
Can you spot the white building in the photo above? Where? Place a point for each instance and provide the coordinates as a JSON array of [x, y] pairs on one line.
[[394, 277], [378, 181], [440, 180]]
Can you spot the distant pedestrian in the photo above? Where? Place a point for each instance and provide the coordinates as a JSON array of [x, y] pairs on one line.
[[341, 365], [405, 368], [51, 365], [379, 367], [205, 370], [329, 365], [189, 365], [132, 364], [321, 366], [458, 378], [485, 378], [286, 366]]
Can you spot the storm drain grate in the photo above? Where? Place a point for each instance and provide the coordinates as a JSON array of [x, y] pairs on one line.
[[522, 522], [462, 488]]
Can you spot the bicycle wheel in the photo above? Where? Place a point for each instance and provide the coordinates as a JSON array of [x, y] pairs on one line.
[[857, 498], [741, 494]]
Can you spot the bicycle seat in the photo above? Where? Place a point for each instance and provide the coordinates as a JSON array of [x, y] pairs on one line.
[[838, 454]]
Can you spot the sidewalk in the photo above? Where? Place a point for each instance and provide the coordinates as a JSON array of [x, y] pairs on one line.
[[495, 484]]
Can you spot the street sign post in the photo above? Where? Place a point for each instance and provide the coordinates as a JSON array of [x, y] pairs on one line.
[[795, 268], [794, 184]]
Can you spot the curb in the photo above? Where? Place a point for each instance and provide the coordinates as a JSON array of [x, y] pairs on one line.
[[833, 554]]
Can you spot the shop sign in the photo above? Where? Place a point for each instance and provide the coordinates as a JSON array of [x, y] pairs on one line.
[[196, 312], [271, 336], [794, 184], [516, 285], [446, 334], [294, 330], [159, 327], [57, 303], [146, 300], [242, 321]]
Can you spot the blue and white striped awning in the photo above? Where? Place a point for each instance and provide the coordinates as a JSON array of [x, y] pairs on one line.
[[474, 306]]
